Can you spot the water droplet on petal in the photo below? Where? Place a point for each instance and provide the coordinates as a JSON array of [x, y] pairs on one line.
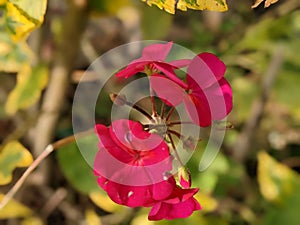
[[128, 137], [130, 193], [166, 175]]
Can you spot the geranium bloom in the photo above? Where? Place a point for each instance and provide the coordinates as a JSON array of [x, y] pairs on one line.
[[180, 204], [153, 61], [132, 164], [206, 95]]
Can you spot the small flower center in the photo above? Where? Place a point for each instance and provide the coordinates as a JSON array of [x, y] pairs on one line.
[[158, 126]]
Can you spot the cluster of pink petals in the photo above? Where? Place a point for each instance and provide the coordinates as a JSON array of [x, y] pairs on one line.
[[206, 94], [153, 59], [168, 201], [133, 165]]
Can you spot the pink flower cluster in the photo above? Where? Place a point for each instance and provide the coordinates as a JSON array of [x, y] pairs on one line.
[[134, 163]]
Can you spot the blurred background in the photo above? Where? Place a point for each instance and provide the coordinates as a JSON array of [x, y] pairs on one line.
[[255, 177]]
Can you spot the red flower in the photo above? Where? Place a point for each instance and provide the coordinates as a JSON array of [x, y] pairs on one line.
[[152, 61], [207, 95], [132, 164], [180, 204]]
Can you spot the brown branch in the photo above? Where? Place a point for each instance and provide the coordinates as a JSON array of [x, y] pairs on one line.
[[244, 141], [54, 97], [45, 153]]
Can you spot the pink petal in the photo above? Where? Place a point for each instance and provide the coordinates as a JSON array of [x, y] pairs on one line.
[[198, 109], [130, 134], [159, 211], [219, 97], [132, 69], [168, 70], [181, 195], [169, 92], [205, 70], [132, 196], [212, 103], [163, 189], [124, 165], [182, 209], [136, 196], [180, 204], [180, 63], [157, 52]]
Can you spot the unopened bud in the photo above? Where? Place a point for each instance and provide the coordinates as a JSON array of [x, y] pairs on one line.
[[184, 177]]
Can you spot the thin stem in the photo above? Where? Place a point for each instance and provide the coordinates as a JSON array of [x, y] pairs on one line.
[[170, 113], [162, 110], [120, 100], [175, 133], [139, 109], [175, 151], [19, 183], [47, 151], [179, 123], [154, 112]]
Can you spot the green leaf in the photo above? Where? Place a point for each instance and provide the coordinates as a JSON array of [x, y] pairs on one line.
[[277, 182], [171, 5], [14, 209], [208, 179], [30, 83], [13, 155], [75, 168], [287, 213]]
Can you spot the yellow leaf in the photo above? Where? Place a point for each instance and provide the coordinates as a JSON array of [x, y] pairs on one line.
[[32, 221], [34, 12], [276, 181], [104, 202], [30, 83], [267, 3], [2, 2], [142, 219], [207, 202], [22, 16], [171, 5], [13, 155], [12, 54], [18, 24], [14, 209], [92, 218]]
